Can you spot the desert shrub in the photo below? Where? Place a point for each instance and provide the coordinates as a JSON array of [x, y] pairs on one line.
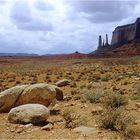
[[73, 85], [77, 97], [74, 91], [114, 100], [138, 90], [136, 95], [94, 95], [131, 131], [106, 77], [73, 119], [118, 120], [108, 119]]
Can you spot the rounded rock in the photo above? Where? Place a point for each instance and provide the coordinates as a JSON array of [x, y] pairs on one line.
[[29, 113]]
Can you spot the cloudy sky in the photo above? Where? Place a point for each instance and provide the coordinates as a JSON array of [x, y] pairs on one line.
[[60, 26]]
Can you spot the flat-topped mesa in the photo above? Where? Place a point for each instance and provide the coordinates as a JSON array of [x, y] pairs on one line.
[[126, 33]]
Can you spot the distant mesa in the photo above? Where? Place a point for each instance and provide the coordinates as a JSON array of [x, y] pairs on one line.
[[122, 36], [17, 54]]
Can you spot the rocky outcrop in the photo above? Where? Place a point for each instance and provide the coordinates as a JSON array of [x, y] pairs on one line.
[[103, 44], [29, 113], [127, 35], [26, 94]]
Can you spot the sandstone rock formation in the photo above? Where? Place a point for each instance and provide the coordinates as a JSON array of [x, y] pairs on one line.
[[126, 33], [29, 113], [125, 42], [38, 93], [103, 44]]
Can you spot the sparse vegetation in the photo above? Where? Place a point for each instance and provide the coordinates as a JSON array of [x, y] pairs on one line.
[[73, 119], [99, 91], [94, 95], [115, 100], [119, 120]]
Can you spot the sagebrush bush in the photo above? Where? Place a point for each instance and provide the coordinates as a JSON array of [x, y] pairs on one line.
[[115, 100], [94, 95], [136, 95], [106, 77], [108, 119], [119, 120], [131, 131], [73, 119]]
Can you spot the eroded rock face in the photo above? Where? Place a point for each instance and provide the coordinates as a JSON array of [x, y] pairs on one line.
[[29, 113], [126, 33], [26, 94]]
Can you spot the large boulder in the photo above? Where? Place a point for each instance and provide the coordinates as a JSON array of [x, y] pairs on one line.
[[9, 97], [27, 94], [62, 83], [29, 113], [37, 93]]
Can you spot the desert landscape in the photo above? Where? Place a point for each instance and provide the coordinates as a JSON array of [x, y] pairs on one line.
[[99, 98], [70, 69]]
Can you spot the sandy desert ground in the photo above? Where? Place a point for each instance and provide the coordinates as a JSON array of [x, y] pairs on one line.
[[100, 90]]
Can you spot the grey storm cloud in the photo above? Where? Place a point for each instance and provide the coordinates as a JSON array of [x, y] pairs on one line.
[[21, 12], [22, 17], [105, 11], [35, 25]]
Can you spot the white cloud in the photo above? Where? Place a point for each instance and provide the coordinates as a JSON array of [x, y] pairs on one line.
[[60, 26]]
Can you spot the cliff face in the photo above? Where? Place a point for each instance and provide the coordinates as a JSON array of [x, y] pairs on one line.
[[126, 33]]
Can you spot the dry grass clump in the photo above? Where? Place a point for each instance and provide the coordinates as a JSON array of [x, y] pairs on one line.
[[73, 119], [106, 77], [136, 94], [118, 120], [94, 95], [113, 100]]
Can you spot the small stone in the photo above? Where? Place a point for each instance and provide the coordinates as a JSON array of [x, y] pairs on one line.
[[62, 83], [35, 129], [12, 130], [97, 110], [28, 125], [71, 104], [67, 98], [84, 106], [20, 130], [56, 107], [85, 130], [137, 122], [47, 127], [137, 105], [137, 79]]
